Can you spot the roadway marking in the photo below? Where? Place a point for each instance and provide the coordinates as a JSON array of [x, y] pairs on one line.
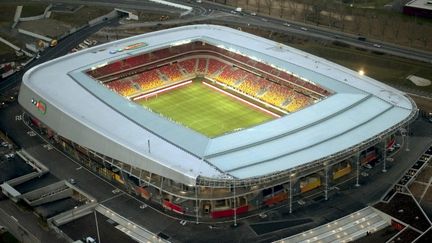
[[48, 146], [425, 190], [18, 118], [31, 133], [120, 193]]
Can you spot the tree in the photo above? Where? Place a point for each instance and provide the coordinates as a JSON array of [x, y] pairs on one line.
[[316, 13], [281, 7], [269, 4], [292, 8]]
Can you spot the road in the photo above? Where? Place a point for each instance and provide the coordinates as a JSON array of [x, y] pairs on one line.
[[24, 224]]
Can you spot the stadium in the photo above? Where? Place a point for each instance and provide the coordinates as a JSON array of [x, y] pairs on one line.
[[211, 122]]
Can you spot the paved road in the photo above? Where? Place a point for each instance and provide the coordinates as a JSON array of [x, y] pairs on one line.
[[29, 224]]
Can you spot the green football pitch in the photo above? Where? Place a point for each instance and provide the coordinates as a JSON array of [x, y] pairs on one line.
[[205, 110]]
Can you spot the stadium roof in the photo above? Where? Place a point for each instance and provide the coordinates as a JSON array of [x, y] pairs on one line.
[[103, 121], [422, 4]]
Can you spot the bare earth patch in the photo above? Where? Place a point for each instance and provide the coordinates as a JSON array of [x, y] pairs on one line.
[[46, 27]]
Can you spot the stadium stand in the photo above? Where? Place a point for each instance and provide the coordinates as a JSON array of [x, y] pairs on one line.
[[148, 80], [189, 65], [236, 75], [123, 86], [202, 64], [230, 75], [215, 66], [276, 94], [172, 72], [252, 85], [298, 102]]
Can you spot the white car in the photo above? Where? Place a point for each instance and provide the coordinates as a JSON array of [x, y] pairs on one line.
[[253, 14], [286, 24], [303, 28], [377, 46], [368, 166]]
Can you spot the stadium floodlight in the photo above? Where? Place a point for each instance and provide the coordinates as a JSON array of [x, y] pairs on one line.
[[361, 72]]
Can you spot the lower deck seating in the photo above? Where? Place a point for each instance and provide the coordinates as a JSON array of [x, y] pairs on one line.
[[230, 75], [251, 85], [123, 87], [298, 102], [276, 94], [148, 80]]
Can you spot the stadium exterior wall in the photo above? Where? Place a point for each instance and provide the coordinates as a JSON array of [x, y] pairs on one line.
[[227, 198]]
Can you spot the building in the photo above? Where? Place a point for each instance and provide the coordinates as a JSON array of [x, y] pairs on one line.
[[420, 8], [328, 121]]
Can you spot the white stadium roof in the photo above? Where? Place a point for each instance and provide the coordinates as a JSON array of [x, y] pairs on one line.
[[95, 117]]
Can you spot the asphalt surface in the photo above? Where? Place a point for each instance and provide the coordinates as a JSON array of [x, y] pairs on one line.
[[86, 227], [27, 222]]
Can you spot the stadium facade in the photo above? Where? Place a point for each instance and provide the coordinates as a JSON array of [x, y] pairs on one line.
[[332, 120]]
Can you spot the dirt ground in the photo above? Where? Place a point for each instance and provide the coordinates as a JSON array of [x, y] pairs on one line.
[[46, 27], [80, 17], [423, 103], [57, 25]]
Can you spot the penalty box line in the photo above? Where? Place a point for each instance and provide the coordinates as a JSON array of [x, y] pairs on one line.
[[241, 100]]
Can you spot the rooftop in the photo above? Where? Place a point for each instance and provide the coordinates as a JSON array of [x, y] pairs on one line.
[[359, 109], [423, 4]]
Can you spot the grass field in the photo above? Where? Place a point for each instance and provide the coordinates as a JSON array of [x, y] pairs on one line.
[[205, 110]]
